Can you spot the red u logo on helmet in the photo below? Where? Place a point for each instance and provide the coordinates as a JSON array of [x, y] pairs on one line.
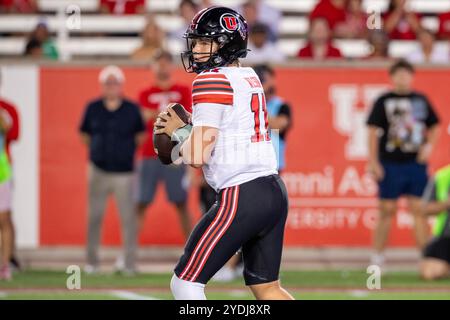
[[229, 22]]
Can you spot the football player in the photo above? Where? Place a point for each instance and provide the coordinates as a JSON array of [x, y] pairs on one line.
[[229, 139]]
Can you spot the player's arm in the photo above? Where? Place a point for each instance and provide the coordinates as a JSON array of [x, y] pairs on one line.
[[196, 143], [212, 95], [196, 150]]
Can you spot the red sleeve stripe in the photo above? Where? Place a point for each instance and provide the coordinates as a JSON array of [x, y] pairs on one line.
[[213, 98], [213, 88], [212, 81], [212, 92], [211, 75]]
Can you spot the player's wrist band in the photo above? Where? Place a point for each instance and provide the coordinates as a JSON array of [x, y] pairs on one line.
[[181, 134]]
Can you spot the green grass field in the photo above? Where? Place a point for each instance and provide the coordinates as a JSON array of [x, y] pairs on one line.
[[306, 285]]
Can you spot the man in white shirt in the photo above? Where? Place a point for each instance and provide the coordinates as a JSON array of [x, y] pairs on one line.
[[261, 49], [429, 51]]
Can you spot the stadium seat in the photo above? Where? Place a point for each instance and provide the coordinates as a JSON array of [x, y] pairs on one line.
[[293, 27]]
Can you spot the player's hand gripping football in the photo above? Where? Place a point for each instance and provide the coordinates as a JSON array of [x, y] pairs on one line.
[[168, 121]]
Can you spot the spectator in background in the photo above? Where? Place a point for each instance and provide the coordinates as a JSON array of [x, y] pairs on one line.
[[279, 113], [268, 15], [379, 43], [40, 43], [444, 26], [18, 6], [33, 49], [186, 10], [355, 24], [259, 12], [9, 132], [333, 11], [6, 224], [250, 13], [261, 49], [403, 130], [319, 45], [112, 127], [205, 4], [435, 263], [399, 22], [428, 52], [151, 171], [122, 6], [152, 40]]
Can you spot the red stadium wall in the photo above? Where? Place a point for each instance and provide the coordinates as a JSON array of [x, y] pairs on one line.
[[332, 201]]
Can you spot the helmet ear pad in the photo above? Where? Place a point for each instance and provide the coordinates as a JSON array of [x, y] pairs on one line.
[[231, 52]]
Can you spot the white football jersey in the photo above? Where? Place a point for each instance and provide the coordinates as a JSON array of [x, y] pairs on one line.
[[232, 100]]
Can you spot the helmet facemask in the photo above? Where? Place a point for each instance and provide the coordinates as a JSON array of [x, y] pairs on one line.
[[213, 58]]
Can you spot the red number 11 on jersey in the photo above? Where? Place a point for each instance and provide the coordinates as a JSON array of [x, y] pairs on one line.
[[258, 105]]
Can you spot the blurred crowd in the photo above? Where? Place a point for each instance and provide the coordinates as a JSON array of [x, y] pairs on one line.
[[329, 20]]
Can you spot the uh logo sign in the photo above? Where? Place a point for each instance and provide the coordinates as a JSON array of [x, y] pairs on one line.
[[351, 104]]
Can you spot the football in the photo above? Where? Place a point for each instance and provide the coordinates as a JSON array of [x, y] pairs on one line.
[[162, 142]]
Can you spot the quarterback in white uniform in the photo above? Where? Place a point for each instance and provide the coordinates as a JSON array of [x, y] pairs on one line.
[[231, 99], [229, 139]]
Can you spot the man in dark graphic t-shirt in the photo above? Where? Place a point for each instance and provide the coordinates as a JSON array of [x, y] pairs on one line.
[[402, 133]]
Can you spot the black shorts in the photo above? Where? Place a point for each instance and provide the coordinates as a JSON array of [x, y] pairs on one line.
[[438, 248], [252, 216]]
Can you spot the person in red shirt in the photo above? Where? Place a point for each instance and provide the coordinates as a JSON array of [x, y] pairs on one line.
[[331, 10], [122, 6], [319, 45], [9, 125], [355, 24], [444, 26], [399, 22], [153, 100], [18, 6], [13, 131]]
